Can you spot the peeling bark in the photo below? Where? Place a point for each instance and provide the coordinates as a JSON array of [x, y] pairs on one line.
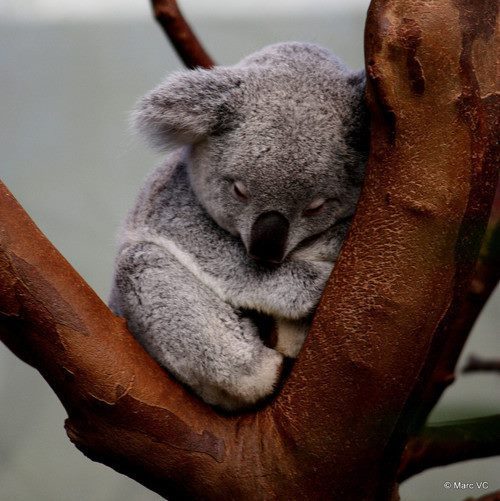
[[339, 426]]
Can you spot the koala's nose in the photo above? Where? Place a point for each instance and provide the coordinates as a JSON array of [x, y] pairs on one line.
[[268, 237]]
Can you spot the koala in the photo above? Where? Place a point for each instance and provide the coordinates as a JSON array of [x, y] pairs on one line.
[[243, 221]]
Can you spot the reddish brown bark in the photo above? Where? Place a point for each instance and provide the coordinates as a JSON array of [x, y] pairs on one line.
[[338, 427], [185, 42], [479, 289], [420, 453]]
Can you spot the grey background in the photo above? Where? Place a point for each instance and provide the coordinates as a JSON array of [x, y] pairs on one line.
[[66, 88]]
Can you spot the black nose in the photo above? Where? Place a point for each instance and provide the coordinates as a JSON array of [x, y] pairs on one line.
[[268, 237]]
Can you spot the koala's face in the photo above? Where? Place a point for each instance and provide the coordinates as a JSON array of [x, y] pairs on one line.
[[277, 179], [278, 144]]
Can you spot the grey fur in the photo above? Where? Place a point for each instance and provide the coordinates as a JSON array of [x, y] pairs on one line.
[[288, 123]]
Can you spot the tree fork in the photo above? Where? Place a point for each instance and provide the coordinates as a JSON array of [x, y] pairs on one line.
[[339, 425]]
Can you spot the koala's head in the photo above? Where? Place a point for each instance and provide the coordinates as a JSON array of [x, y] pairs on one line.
[[278, 143]]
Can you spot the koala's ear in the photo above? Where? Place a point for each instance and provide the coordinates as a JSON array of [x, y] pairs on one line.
[[187, 106]]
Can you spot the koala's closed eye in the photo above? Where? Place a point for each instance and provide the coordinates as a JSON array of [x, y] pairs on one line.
[[315, 207], [240, 191]]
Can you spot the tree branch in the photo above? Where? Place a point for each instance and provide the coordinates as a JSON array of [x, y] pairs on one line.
[[480, 364], [185, 42], [480, 287], [492, 496], [447, 443], [430, 175]]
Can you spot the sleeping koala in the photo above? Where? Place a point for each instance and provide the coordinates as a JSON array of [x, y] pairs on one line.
[[245, 217]]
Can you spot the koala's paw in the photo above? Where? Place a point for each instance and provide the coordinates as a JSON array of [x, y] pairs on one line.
[[247, 389], [291, 335]]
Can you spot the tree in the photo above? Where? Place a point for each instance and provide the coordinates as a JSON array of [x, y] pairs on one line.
[[348, 422]]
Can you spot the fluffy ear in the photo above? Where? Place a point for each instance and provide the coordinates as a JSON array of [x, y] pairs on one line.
[[187, 106]]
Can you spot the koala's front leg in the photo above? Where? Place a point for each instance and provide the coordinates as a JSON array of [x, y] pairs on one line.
[[290, 291], [199, 338]]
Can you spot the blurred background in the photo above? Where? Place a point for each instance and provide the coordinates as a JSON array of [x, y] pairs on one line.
[[69, 74]]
